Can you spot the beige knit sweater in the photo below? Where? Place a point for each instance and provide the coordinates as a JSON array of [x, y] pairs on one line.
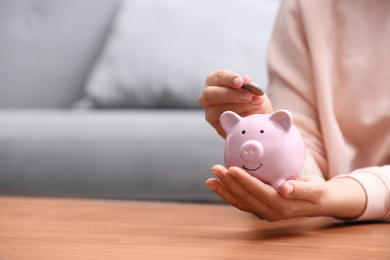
[[329, 64]]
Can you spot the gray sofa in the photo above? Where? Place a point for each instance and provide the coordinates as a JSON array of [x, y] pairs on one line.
[[99, 98]]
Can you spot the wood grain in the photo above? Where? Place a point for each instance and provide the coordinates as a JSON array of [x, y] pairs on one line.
[[53, 228]]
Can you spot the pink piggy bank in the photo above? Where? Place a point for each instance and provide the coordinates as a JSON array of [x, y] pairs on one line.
[[269, 147]]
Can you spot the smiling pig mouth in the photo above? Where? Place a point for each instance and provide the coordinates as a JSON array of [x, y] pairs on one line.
[[252, 170]]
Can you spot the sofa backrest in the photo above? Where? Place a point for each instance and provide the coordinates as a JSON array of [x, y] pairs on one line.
[[159, 53], [47, 49], [127, 53]]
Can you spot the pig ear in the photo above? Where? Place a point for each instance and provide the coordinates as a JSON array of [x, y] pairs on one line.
[[229, 119], [283, 118]]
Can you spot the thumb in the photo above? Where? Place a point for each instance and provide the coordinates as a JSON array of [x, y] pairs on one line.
[[309, 188]]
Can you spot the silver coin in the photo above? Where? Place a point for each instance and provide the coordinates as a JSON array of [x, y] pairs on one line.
[[255, 89]]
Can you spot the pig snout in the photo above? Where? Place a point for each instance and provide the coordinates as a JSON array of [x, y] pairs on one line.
[[251, 151]]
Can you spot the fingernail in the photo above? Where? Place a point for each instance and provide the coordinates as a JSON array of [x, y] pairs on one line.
[[246, 95], [216, 173], [233, 173], [238, 81], [257, 100], [290, 189], [212, 187]]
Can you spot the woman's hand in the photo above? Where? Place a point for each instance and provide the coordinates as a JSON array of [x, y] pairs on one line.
[[223, 92], [307, 196]]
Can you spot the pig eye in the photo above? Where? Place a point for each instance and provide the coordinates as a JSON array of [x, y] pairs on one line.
[[261, 131], [243, 132]]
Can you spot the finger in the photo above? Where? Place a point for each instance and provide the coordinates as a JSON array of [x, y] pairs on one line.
[[257, 188], [241, 191], [226, 78], [247, 79], [220, 188], [252, 110], [214, 95], [218, 170], [213, 113], [226, 189], [217, 187], [306, 188], [266, 104], [268, 203]]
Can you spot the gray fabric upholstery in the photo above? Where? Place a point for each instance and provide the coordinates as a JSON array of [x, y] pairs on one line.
[[162, 61], [47, 49], [149, 154]]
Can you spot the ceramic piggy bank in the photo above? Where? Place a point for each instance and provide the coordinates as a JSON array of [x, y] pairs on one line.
[[269, 147]]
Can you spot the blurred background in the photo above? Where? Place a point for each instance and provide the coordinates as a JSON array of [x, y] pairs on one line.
[[99, 98]]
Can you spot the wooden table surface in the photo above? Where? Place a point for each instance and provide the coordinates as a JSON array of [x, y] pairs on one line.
[[52, 228]]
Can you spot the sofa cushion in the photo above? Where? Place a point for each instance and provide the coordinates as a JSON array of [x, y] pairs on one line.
[[160, 52], [128, 154], [47, 49]]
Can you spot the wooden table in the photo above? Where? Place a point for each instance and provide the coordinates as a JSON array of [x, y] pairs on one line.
[[52, 228]]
